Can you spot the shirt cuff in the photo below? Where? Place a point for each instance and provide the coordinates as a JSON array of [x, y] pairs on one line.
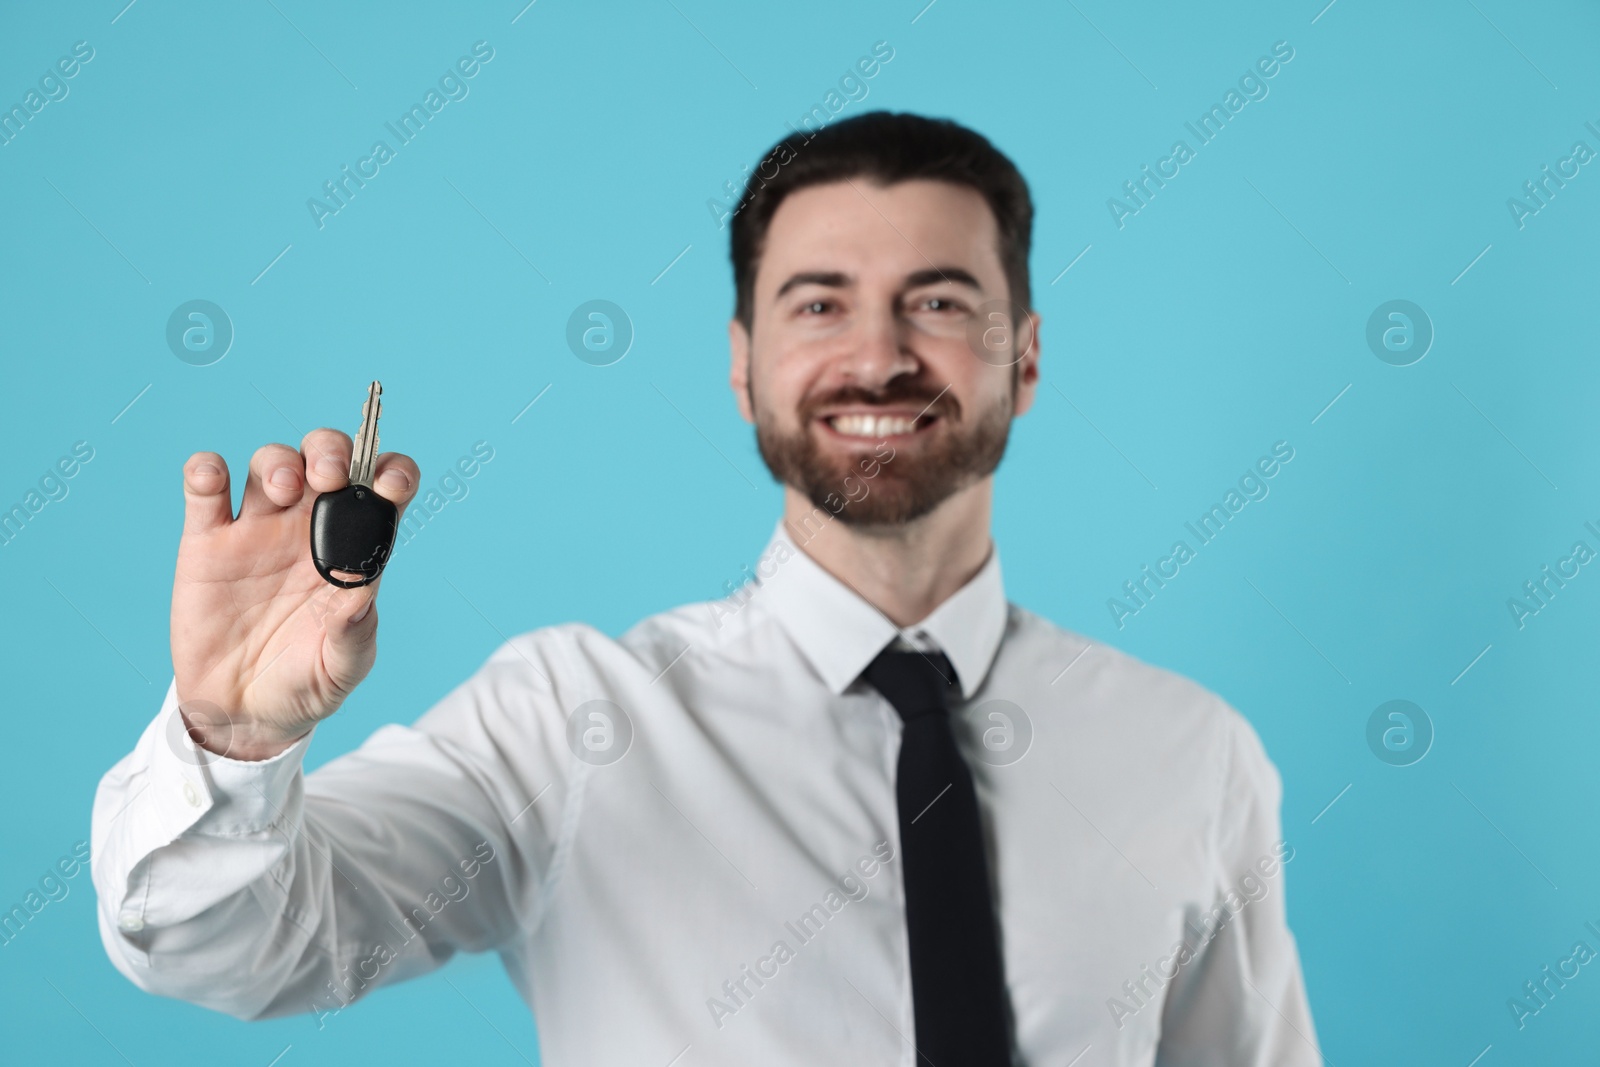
[[192, 788]]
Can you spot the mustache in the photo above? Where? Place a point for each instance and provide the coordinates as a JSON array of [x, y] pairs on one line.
[[930, 398]]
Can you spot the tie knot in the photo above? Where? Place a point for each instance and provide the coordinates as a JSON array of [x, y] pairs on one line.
[[915, 683]]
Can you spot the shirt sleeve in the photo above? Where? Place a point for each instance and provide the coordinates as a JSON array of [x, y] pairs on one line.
[[258, 890], [1238, 999]]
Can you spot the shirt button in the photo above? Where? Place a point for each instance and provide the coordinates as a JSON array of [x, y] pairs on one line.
[[191, 794], [130, 922]]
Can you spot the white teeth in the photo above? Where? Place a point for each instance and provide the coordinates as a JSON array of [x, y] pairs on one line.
[[872, 425]]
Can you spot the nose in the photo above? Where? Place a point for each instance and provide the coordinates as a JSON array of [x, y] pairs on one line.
[[879, 349]]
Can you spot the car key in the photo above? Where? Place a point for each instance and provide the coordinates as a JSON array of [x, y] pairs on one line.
[[352, 529]]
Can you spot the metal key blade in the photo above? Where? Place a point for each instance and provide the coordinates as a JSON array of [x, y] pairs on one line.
[[365, 454]]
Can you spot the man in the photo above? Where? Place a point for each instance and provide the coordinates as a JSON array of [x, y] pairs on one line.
[[862, 812]]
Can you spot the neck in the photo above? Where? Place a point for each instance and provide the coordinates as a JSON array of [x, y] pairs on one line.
[[905, 570]]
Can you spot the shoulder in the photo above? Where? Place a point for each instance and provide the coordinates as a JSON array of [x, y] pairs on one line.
[[705, 631], [575, 654], [1092, 687], [537, 675], [1034, 644]]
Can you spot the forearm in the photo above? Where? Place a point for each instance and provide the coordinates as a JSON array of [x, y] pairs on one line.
[[253, 889], [186, 850]]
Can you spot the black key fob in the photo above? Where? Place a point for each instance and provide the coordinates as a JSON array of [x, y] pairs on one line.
[[352, 532]]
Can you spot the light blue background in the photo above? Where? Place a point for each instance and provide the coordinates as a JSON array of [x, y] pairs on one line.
[[1224, 317]]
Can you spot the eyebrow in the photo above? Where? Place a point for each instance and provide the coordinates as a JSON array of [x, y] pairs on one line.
[[831, 278], [840, 280], [942, 274]]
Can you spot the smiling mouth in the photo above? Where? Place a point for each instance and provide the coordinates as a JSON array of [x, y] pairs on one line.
[[872, 426]]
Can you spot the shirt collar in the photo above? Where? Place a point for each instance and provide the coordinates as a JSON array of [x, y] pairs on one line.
[[840, 633]]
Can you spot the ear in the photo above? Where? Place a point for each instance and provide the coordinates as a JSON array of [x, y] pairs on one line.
[[1028, 366], [739, 367]]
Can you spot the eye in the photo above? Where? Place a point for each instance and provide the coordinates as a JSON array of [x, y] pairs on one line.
[[815, 307], [943, 304]]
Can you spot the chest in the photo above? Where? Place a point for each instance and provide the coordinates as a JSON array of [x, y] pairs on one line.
[[736, 878]]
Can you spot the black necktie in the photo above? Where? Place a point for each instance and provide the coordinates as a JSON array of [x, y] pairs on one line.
[[957, 984]]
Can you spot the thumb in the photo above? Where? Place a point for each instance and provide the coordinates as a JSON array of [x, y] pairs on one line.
[[362, 604], [352, 631]]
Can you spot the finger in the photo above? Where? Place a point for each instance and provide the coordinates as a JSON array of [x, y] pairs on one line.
[[207, 503], [327, 459], [397, 478], [352, 631], [276, 481]]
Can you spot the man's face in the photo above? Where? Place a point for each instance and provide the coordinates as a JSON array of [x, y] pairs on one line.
[[866, 303]]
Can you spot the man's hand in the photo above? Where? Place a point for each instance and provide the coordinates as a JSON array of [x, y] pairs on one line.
[[262, 647]]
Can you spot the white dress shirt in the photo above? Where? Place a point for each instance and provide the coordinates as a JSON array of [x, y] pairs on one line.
[[707, 865]]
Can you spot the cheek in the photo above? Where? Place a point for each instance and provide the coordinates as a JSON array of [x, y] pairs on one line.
[[788, 371], [777, 382], [990, 409], [975, 386]]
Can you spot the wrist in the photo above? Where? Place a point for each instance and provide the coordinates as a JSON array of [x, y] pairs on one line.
[[214, 730], [257, 751]]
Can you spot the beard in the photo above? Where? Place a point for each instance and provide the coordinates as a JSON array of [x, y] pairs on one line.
[[914, 478]]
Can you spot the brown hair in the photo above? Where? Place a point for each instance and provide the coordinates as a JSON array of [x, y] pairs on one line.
[[885, 147]]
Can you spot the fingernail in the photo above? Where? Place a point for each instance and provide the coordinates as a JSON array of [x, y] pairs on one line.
[[329, 467], [395, 480], [358, 616], [284, 478], [206, 468]]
